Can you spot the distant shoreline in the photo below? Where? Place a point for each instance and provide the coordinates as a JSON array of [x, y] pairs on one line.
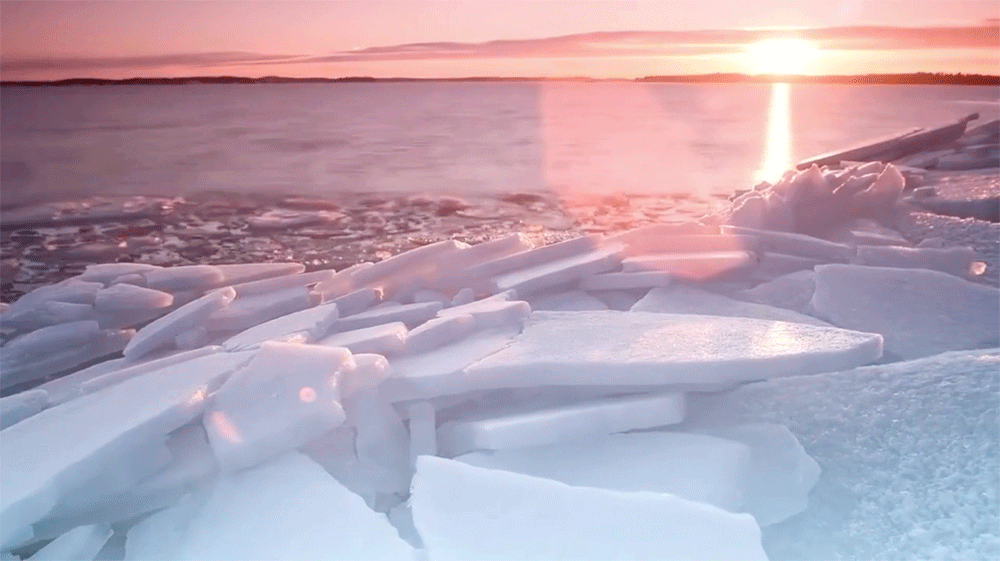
[[917, 78]]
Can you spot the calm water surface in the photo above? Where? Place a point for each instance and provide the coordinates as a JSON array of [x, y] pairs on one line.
[[466, 139]]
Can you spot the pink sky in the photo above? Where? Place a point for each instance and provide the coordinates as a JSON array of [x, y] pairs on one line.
[[447, 38]]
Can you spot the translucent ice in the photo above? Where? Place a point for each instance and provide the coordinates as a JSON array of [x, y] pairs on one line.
[[388, 339], [554, 273], [162, 332], [692, 266], [79, 544], [796, 244], [305, 326], [126, 297], [544, 519], [247, 311], [680, 299]]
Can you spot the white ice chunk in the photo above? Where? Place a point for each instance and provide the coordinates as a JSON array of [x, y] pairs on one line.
[[127, 297], [410, 314], [574, 300], [62, 451], [305, 326], [792, 292], [53, 349], [97, 378], [919, 312], [696, 467], [187, 277], [560, 271], [693, 266], [441, 371], [439, 331], [252, 272], [369, 371], [79, 544], [533, 257], [288, 508], [692, 244], [641, 348], [104, 273], [192, 339], [287, 396], [414, 262], [381, 442], [247, 311], [774, 265], [956, 261], [133, 318], [388, 339], [18, 407], [162, 332], [780, 475], [423, 430], [46, 313], [796, 244], [464, 512], [301, 280], [639, 237], [358, 301], [340, 284], [680, 299], [492, 250], [625, 281], [568, 422], [463, 296], [428, 295], [489, 313]]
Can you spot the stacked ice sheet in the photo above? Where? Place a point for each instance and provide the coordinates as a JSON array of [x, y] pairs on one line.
[[322, 396]]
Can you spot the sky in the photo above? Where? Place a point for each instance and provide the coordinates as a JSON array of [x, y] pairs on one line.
[[43, 40]]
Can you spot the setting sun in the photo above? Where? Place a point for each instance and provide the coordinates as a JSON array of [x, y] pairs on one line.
[[781, 56]]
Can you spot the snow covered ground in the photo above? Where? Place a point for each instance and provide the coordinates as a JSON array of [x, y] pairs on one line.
[[744, 387]]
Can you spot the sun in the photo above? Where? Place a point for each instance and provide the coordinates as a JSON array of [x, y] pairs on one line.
[[781, 56]]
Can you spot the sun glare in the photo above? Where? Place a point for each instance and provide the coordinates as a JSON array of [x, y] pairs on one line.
[[781, 56]]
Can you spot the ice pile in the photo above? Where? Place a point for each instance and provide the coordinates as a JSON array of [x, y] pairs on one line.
[[258, 411]]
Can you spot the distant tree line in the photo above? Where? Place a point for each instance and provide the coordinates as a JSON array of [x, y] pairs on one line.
[[912, 78]]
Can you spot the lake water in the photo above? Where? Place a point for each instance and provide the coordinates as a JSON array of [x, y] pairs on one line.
[[465, 139]]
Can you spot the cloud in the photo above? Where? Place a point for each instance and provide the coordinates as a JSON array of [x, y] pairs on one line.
[[637, 44], [152, 61]]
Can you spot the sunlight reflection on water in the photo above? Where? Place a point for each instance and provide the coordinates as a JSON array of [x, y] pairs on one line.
[[778, 138]]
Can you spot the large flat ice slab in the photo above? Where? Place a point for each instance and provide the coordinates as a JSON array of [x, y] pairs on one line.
[[305, 326], [464, 512], [388, 339], [247, 311], [56, 348], [561, 271], [288, 508], [642, 348], [567, 422], [792, 292], [99, 435], [286, 396], [696, 467], [691, 266], [162, 332], [919, 312], [796, 244], [680, 299]]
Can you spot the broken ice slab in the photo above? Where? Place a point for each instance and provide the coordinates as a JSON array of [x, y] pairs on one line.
[[680, 299], [179, 279], [305, 326], [388, 339], [79, 544], [692, 244], [919, 312], [18, 407], [560, 271], [105, 273], [368, 372], [441, 371], [695, 467], [457, 274], [532, 257], [555, 424], [45, 313], [797, 244], [71, 290], [956, 261], [266, 286], [412, 263], [625, 281], [544, 520], [358, 301], [439, 331], [490, 312], [252, 272], [53, 349], [162, 332], [97, 378], [62, 451], [774, 265], [127, 297], [638, 237], [642, 348], [288, 508], [247, 311], [573, 300], [691, 266], [792, 292], [780, 474], [192, 339], [423, 430], [286, 396], [410, 314]]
